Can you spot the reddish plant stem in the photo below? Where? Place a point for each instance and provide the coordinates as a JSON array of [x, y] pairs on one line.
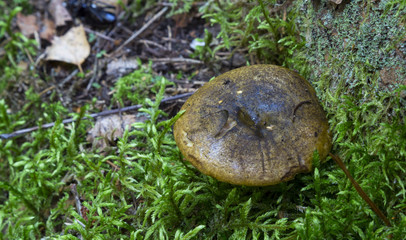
[[360, 191]]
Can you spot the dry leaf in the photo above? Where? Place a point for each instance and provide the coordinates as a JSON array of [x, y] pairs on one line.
[[109, 128], [48, 30], [23, 65], [27, 24], [181, 20], [121, 66], [72, 47], [59, 12], [336, 1]]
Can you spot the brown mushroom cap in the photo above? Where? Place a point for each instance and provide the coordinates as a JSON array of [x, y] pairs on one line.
[[257, 125]]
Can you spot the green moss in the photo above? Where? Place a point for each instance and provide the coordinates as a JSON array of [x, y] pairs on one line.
[[347, 50], [135, 87], [266, 36]]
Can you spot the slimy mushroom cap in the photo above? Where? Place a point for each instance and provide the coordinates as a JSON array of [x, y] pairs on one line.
[[256, 125]]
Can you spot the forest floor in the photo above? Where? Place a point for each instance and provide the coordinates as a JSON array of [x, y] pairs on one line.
[[121, 176]]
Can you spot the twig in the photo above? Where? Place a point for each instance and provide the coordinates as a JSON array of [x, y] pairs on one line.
[[136, 34], [95, 70], [149, 42], [115, 167], [175, 40], [99, 34], [359, 190], [68, 78], [94, 115], [29, 56], [74, 191], [178, 60], [46, 90], [77, 200], [170, 37]]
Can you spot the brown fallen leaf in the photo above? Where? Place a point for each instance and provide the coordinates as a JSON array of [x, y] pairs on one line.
[[72, 47], [48, 30], [27, 24], [107, 129], [181, 20], [121, 66], [59, 12]]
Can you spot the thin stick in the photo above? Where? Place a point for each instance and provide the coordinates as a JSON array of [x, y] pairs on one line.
[[78, 205], [99, 34], [137, 33], [77, 200], [68, 78], [359, 190], [149, 42], [93, 115], [178, 60]]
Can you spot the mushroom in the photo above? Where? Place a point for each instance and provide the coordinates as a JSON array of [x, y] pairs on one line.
[[257, 125]]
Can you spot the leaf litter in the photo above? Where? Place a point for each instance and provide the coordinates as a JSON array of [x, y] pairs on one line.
[[108, 129], [72, 47]]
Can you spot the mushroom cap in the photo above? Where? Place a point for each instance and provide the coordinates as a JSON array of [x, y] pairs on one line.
[[256, 125]]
